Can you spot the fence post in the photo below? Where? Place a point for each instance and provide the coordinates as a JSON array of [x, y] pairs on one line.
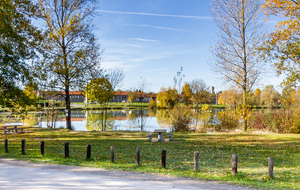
[[42, 147], [138, 156], [163, 158], [88, 151], [23, 146], [112, 153], [5, 145], [234, 163], [67, 150], [196, 161], [271, 166]]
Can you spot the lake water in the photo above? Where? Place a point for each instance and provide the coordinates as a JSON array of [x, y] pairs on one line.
[[116, 120]]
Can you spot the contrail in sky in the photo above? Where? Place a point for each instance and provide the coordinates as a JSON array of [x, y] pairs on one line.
[[160, 15]]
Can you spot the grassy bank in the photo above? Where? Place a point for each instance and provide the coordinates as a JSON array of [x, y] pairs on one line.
[[215, 154]]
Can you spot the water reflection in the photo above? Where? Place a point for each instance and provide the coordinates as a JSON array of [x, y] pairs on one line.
[[138, 118], [99, 121], [110, 120], [113, 120]]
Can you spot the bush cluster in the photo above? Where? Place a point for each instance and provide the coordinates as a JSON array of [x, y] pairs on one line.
[[181, 119], [280, 121], [228, 120]]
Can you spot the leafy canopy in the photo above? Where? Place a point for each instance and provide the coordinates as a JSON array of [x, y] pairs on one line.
[[167, 98], [282, 47], [100, 90], [18, 40]]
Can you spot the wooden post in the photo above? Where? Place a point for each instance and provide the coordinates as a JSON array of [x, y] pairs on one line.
[[23, 146], [88, 151], [234, 163], [5, 145], [138, 156], [42, 147], [67, 150], [163, 158], [196, 161], [271, 166], [112, 153]]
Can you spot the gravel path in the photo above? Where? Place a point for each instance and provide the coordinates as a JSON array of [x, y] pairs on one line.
[[17, 174]]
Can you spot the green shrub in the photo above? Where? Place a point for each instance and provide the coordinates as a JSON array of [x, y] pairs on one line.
[[152, 104], [181, 118], [228, 119], [280, 121]]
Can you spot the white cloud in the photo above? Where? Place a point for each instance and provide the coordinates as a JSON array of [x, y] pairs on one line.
[[160, 15]]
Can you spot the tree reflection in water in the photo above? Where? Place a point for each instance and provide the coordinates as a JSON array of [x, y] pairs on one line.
[[99, 121], [138, 117]]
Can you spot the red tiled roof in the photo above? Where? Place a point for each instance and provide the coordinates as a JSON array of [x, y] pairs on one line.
[[121, 93], [74, 93], [74, 119], [62, 92]]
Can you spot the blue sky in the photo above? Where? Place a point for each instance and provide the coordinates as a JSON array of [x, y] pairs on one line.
[[152, 39]]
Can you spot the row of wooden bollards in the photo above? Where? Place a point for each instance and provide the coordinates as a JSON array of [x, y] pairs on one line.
[[234, 163], [234, 159]]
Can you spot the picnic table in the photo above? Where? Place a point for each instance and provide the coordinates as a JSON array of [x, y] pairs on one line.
[[12, 127], [160, 132]]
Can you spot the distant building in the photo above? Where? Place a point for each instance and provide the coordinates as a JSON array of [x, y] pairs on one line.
[[212, 90], [75, 96], [122, 96], [78, 96]]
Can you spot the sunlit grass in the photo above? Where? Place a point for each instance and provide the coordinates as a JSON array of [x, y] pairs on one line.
[[215, 154]]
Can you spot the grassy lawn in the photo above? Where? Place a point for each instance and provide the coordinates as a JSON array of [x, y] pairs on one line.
[[215, 154]]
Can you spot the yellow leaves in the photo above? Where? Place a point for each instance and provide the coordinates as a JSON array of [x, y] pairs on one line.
[[257, 92], [205, 107]]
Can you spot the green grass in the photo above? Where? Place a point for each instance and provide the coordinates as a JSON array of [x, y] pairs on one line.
[[215, 154]]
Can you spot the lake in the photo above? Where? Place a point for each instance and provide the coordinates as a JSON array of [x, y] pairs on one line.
[[111, 120]]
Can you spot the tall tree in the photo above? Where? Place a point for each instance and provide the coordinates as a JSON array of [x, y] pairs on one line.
[[178, 79], [269, 96], [187, 94], [18, 39], [115, 76], [288, 96], [100, 90], [282, 45], [71, 52], [234, 53], [167, 98], [200, 94]]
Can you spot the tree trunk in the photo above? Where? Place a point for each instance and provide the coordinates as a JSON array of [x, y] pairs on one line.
[[68, 109], [244, 68]]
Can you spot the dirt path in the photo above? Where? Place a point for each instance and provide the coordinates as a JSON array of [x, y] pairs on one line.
[[17, 174]]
